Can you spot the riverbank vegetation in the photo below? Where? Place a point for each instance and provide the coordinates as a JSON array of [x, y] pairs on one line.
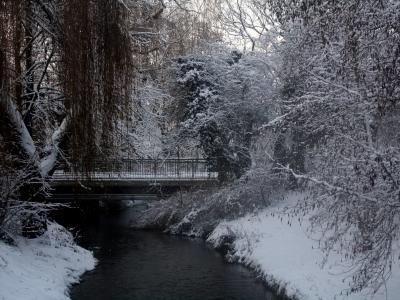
[[278, 96]]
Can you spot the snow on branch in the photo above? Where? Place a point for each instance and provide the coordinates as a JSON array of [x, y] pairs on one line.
[[48, 163], [16, 122]]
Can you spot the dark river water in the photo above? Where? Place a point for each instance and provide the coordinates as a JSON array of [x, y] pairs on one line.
[[139, 265]]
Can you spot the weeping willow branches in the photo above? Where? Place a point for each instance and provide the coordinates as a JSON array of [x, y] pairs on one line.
[[66, 75], [98, 70]]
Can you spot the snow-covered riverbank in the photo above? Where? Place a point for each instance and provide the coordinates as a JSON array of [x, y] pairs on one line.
[[287, 256], [42, 268]]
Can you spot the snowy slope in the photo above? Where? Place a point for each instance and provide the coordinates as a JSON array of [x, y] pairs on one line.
[[43, 268], [289, 258]]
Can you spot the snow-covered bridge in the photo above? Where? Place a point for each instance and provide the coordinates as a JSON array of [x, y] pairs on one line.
[[139, 173]]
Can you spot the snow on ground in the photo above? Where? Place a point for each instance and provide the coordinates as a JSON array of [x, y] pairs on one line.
[[289, 258], [42, 268]]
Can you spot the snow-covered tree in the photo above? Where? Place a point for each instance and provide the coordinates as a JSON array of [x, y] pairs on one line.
[[64, 72], [339, 104], [221, 97]]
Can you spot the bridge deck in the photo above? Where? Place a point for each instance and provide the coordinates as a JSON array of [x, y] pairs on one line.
[[169, 172], [111, 178], [60, 197]]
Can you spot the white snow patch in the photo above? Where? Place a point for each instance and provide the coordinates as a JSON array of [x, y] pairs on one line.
[[48, 163], [42, 268], [289, 258]]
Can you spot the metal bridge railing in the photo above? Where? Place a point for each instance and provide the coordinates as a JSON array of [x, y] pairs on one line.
[[139, 169]]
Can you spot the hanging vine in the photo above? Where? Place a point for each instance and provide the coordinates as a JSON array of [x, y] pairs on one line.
[[98, 72]]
